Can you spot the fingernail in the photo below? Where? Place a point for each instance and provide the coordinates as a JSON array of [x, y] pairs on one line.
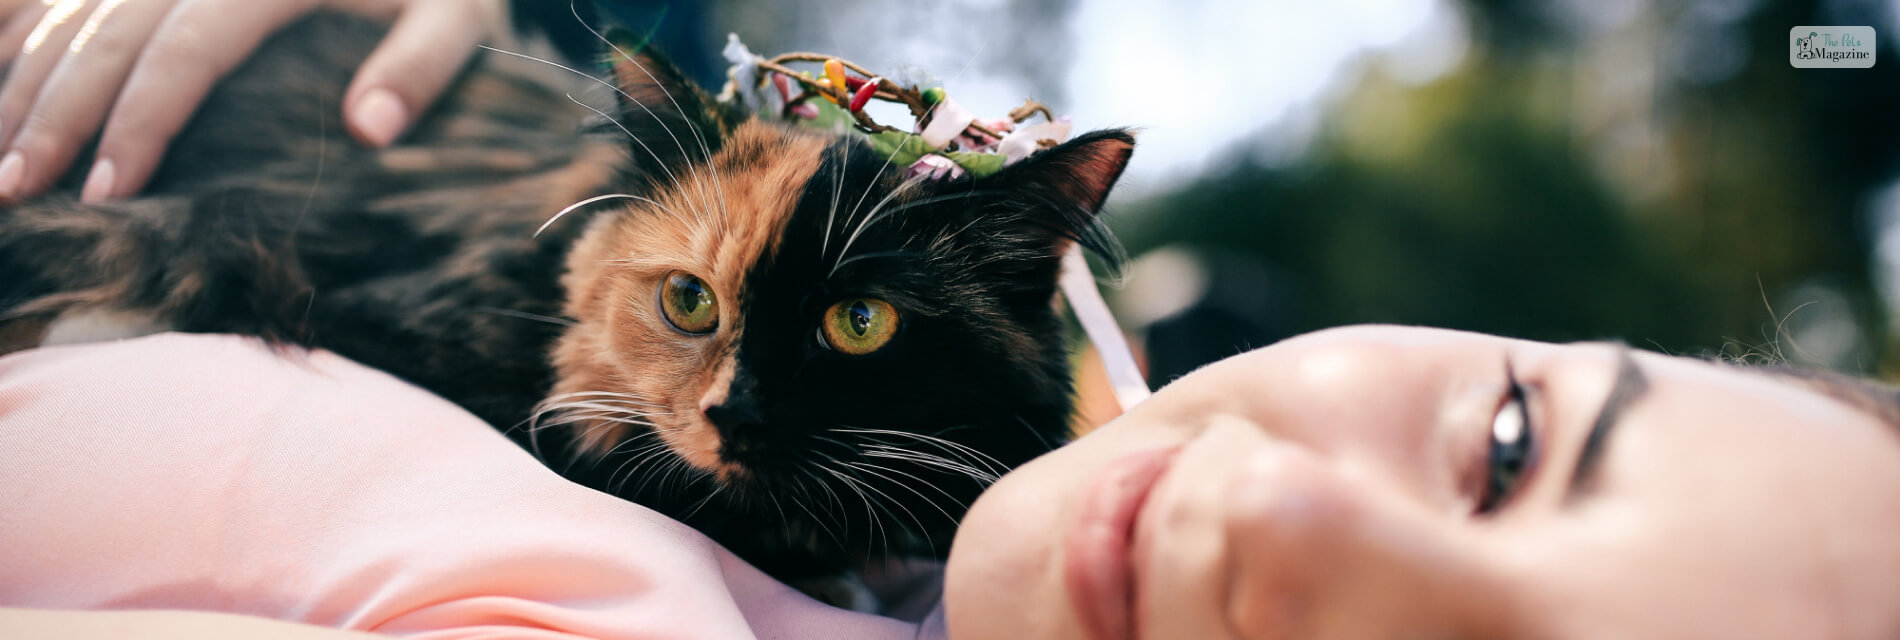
[[380, 117], [98, 183], [12, 173]]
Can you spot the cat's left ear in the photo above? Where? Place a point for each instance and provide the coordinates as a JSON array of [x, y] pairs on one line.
[[668, 115], [1064, 186]]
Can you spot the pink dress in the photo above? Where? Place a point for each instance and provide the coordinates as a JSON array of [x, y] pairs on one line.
[[209, 473]]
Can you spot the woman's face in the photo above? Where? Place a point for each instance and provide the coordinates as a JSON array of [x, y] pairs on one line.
[[1390, 482]]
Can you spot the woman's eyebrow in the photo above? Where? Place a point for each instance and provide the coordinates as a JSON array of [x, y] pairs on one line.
[[1629, 386]]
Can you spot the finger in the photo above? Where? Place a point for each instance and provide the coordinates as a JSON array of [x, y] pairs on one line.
[[9, 7], [408, 71], [196, 45], [77, 94], [19, 22], [43, 48], [39, 53]]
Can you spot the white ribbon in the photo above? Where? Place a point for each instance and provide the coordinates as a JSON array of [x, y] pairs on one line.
[[1078, 286]]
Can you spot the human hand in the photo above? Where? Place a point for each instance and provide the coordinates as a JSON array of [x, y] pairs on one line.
[[141, 67]]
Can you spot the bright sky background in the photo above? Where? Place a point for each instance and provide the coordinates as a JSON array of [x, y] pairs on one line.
[[1203, 80], [1206, 76]]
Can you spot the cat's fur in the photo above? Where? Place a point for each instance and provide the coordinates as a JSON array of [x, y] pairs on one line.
[[422, 260]]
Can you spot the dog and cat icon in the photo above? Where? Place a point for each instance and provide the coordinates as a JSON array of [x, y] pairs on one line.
[[1805, 49]]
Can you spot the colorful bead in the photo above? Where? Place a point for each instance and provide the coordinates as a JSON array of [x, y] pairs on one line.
[[834, 71], [864, 93]]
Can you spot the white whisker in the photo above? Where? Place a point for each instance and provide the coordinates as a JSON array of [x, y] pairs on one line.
[[599, 404], [875, 468], [891, 502], [697, 136], [875, 526], [525, 315], [610, 394], [929, 460], [844, 163], [799, 484], [831, 495], [949, 446], [609, 85], [677, 185], [639, 458], [583, 203], [717, 487], [1038, 434], [871, 215], [636, 462]]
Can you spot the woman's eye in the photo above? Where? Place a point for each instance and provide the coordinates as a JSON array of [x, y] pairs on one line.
[[1509, 456]]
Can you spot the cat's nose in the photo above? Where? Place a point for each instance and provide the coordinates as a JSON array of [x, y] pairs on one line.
[[734, 415]]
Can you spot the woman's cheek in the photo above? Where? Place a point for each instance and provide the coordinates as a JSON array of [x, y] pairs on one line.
[[1180, 551], [1276, 513]]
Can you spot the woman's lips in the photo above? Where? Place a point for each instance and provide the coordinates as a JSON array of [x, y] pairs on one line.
[[1096, 565]]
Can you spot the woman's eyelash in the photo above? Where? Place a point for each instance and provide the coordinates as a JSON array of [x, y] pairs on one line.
[[1510, 452]]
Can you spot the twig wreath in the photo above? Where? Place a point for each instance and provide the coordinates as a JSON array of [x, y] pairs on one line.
[[947, 140]]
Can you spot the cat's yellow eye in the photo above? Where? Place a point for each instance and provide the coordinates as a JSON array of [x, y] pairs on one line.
[[859, 325], [688, 304]]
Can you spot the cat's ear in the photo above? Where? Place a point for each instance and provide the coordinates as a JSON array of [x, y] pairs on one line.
[[1064, 187], [671, 119]]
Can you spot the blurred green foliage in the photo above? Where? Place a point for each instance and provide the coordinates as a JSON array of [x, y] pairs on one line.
[[1519, 195]]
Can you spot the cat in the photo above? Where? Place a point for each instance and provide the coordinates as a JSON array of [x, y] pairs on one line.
[[763, 331]]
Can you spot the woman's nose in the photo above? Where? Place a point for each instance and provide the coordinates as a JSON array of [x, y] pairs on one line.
[[1347, 393], [1319, 552]]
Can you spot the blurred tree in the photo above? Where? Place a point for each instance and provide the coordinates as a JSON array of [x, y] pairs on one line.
[[1534, 193]]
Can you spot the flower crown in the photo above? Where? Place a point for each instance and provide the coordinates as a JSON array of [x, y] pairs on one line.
[[946, 142]]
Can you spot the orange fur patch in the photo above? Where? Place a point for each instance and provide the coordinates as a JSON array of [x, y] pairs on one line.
[[715, 224]]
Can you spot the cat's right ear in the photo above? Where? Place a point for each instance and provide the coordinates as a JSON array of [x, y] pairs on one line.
[[672, 121], [1060, 190]]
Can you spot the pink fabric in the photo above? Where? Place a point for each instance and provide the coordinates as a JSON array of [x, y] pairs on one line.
[[210, 473]]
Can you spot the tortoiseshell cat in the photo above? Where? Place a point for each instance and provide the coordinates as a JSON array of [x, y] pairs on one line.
[[772, 336]]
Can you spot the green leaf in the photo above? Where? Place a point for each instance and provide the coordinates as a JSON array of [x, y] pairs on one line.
[[902, 148], [831, 117], [981, 165]]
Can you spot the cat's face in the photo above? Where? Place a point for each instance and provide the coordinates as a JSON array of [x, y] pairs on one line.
[[785, 319]]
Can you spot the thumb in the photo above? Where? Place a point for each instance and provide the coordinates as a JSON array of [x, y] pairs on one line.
[[407, 72]]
